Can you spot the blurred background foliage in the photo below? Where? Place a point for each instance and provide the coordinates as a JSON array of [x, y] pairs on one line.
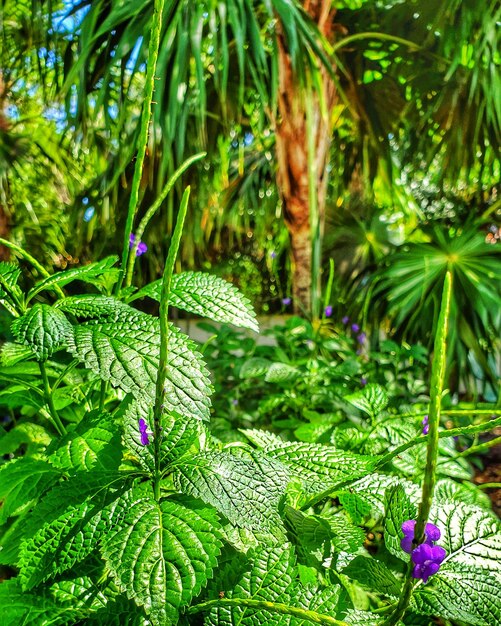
[[413, 166]]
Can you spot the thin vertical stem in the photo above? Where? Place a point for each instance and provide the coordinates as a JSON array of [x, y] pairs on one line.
[[156, 27], [436, 387], [56, 420], [164, 334]]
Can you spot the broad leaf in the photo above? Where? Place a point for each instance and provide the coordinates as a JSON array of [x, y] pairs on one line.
[[398, 509], [372, 489], [22, 482], [247, 491], [125, 350], [254, 367], [44, 329], [162, 554], [372, 400], [33, 436], [86, 273], [374, 575], [467, 594], [281, 373], [208, 296]]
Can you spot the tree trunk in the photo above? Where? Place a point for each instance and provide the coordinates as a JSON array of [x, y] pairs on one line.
[[292, 155]]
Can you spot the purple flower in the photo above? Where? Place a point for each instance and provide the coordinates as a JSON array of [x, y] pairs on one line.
[[273, 254], [361, 338], [345, 320], [234, 402], [328, 311], [143, 429], [431, 532], [426, 427], [286, 301], [427, 560], [355, 328], [142, 247], [363, 381]]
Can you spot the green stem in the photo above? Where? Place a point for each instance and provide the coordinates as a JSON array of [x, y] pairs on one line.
[[492, 411], [272, 607], [482, 447], [164, 335], [430, 478], [156, 27], [374, 35], [330, 280], [58, 425], [102, 394], [31, 260], [153, 209], [489, 486]]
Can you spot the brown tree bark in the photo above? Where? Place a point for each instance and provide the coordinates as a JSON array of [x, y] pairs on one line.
[[292, 153]]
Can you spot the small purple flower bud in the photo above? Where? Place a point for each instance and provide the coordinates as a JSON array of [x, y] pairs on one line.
[[234, 402], [361, 338], [426, 428], [355, 328], [273, 254], [142, 247], [345, 320], [328, 311], [143, 429], [286, 301], [363, 381]]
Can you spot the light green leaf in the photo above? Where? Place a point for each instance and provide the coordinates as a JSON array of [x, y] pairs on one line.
[[44, 329], [281, 373], [254, 367], [470, 535], [374, 575], [398, 509], [355, 506], [34, 436], [12, 353], [247, 491], [87, 273], [459, 592], [88, 307], [372, 400], [22, 482], [162, 554], [372, 489], [125, 350], [467, 493], [93, 443], [208, 296]]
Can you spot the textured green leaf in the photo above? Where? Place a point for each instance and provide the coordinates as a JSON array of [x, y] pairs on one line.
[[12, 353], [317, 464], [87, 273], [374, 575], [398, 509], [312, 536], [161, 554], [18, 396], [372, 488], [44, 329], [87, 307], [9, 275], [34, 609], [372, 400], [281, 373], [179, 433], [269, 577], [467, 493], [355, 506], [245, 490], [125, 350], [363, 618], [254, 367], [93, 443], [345, 536], [470, 535], [33, 436], [459, 592], [64, 527], [22, 482], [208, 296]]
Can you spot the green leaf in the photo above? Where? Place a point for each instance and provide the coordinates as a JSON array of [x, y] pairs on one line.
[[44, 329], [398, 509], [281, 373], [179, 433], [470, 535], [9, 276], [13, 353], [459, 592], [162, 554], [125, 350], [372, 489], [22, 482], [356, 507], [208, 296], [247, 491], [374, 575], [64, 527], [86, 307], [93, 443], [372, 400], [346, 536], [34, 609], [254, 367], [467, 493], [87, 273], [34, 436]]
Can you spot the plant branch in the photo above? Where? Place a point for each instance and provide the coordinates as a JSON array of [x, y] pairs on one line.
[[272, 607], [56, 420]]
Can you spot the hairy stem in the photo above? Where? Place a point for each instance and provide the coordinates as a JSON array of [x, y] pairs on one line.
[[153, 209], [164, 336], [482, 447], [56, 420], [272, 607], [437, 385], [156, 27]]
